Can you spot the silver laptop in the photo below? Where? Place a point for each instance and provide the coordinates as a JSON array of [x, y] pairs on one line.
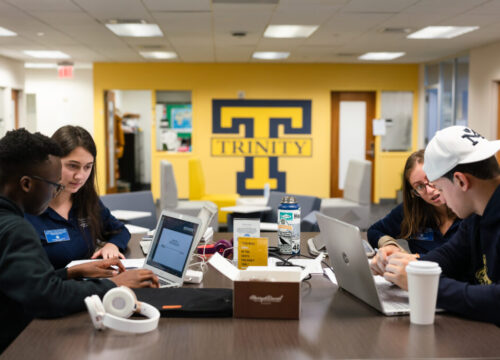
[[172, 247], [352, 270]]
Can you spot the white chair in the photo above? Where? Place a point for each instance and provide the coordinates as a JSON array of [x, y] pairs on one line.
[[169, 196], [354, 207]]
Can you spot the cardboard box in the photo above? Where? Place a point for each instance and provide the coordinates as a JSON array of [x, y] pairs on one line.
[[269, 300], [263, 291]]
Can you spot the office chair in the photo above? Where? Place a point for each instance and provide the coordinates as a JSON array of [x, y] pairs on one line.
[[169, 195], [197, 189], [308, 205], [354, 206], [134, 201]]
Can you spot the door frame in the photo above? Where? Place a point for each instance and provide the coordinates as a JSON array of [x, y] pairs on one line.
[[15, 99], [109, 97], [336, 97]]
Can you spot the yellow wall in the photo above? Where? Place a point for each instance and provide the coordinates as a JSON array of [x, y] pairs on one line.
[[310, 176]]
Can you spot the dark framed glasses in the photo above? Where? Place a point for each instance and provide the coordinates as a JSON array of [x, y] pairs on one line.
[[57, 186], [421, 188]]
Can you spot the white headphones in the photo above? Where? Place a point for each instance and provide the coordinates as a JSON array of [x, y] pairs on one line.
[[117, 305]]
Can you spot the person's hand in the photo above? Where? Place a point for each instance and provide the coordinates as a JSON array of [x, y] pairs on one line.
[[108, 251], [96, 269], [395, 271], [379, 261], [138, 278]]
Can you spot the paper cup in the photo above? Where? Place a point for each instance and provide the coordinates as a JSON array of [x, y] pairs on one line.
[[423, 281]]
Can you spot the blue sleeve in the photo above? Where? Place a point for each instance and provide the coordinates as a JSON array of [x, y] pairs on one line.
[[114, 230], [477, 302], [454, 256], [456, 293], [389, 225]]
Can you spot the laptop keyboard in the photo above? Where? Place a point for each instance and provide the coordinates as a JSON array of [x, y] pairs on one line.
[[167, 284], [392, 297]]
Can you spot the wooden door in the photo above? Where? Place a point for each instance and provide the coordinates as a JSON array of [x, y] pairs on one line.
[[111, 162], [498, 117], [15, 107], [362, 136]]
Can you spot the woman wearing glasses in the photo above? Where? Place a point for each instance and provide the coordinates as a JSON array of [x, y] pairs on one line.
[[76, 221], [423, 219]]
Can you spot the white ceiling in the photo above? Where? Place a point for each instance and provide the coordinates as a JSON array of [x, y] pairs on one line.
[[200, 30]]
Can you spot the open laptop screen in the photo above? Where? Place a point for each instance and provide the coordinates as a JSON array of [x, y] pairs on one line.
[[171, 251]]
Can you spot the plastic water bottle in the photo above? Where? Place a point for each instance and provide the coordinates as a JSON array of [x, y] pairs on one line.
[[289, 226]]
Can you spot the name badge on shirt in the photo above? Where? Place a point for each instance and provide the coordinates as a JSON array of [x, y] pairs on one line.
[[428, 235], [56, 235]]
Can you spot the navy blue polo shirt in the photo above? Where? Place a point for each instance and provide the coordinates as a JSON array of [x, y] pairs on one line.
[[76, 238], [421, 243]]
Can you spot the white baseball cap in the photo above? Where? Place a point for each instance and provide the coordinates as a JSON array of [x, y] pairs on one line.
[[456, 145]]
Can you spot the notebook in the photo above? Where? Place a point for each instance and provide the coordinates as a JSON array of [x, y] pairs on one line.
[[172, 247], [352, 270]]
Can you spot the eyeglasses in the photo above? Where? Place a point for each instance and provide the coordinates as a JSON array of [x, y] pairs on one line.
[[421, 188], [59, 187]]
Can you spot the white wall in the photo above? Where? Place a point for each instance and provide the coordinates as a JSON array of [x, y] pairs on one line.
[[62, 101], [484, 73], [11, 77]]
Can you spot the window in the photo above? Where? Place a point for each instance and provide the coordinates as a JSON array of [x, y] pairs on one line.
[[446, 94], [173, 121]]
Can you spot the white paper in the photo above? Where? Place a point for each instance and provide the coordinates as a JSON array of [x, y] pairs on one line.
[[129, 214], [312, 265], [134, 229], [379, 127], [330, 275], [128, 263]]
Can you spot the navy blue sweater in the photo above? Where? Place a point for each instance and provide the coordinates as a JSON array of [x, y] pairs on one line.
[[80, 245], [419, 243], [470, 281], [29, 285]]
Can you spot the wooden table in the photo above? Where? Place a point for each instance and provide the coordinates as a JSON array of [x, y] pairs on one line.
[[333, 324]]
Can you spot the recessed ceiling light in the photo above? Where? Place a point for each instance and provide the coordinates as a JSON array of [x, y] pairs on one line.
[[136, 28], [158, 54], [270, 55], [29, 65], [379, 56], [290, 31], [441, 32], [47, 54], [6, 32]]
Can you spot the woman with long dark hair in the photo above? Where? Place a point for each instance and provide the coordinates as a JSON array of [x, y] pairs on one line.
[[76, 222], [423, 219]]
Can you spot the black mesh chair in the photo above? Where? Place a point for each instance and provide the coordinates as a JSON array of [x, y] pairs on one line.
[[308, 205], [134, 201]]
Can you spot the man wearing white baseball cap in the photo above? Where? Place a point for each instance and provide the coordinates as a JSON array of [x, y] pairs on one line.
[[462, 165]]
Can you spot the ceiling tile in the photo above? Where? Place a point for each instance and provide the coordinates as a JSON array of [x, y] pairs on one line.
[[177, 5], [44, 5], [488, 8], [114, 9], [383, 6], [305, 14]]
